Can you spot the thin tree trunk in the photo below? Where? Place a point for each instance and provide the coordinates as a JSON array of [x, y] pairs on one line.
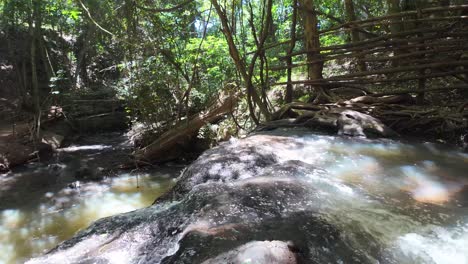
[[44, 58], [395, 27], [289, 87], [241, 67], [80, 76], [259, 42], [25, 81], [394, 8], [186, 95], [34, 32]]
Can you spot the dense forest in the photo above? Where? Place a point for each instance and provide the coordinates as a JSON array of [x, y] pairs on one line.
[[169, 61], [178, 77]]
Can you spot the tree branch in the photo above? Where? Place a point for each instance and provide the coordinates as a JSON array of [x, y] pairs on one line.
[[165, 10], [94, 21]]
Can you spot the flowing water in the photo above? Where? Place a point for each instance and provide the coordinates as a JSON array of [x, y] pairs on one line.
[[42, 205], [410, 197]]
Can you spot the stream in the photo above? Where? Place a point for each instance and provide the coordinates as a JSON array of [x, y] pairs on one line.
[[42, 205], [335, 199], [410, 197]]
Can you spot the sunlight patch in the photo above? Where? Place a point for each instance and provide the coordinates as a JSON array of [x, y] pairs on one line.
[[81, 148]]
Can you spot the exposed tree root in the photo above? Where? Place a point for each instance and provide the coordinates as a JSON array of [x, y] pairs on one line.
[[397, 112]]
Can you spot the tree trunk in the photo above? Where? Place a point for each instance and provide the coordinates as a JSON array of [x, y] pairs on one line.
[[396, 26], [34, 32], [240, 65], [394, 8], [289, 87], [312, 45], [355, 37], [81, 76], [44, 57]]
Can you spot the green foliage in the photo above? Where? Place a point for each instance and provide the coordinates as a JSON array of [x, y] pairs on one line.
[[329, 40], [160, 56], [304, 98]]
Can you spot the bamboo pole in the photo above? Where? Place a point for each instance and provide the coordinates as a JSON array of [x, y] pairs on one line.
[[453, 48], [396, 15], [344, 81]]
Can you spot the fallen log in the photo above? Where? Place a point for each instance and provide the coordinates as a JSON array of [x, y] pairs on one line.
[[165, 147], [390, 99]]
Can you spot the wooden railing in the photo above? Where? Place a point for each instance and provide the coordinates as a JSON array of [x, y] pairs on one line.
[[434, 44]]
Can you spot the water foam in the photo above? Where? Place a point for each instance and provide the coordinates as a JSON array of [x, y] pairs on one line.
[[439, 245]]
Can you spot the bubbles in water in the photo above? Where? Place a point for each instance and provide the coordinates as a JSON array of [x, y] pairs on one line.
[[439, 245]]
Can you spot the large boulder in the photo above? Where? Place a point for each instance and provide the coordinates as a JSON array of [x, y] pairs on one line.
[[220, 221], [241, 202], [341, 121]]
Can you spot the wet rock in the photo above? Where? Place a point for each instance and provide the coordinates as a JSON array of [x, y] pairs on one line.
[[52, 139], [13, 153], [224, 163], [237, 202], [258, 252], [295, 168], [74, 185], [87, 172], [353, 123], [347, 122], [55, 168], [83, 170], [44, 151], [217, 221]]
